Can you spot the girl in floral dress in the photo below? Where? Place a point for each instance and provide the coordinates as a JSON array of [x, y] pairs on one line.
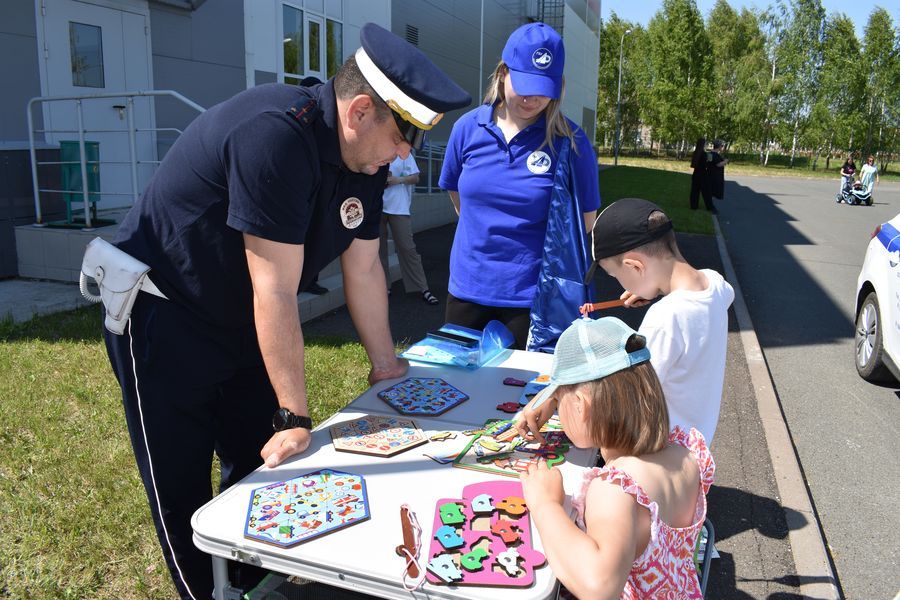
[[638, 517]]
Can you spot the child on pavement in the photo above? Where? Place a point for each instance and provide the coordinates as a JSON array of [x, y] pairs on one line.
[[639, 516], [686, 330]]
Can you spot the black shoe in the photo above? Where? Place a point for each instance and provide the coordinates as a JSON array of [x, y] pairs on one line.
[[428, 297], [315, 288]]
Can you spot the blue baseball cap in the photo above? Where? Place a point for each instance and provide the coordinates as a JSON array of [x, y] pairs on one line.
[[535, 56]]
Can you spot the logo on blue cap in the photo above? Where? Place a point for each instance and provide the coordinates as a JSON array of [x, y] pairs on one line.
[[542, 58]]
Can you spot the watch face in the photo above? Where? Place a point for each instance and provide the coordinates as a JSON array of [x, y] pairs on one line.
[[280, 419]]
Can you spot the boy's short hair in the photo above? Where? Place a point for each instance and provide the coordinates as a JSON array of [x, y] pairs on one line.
[[631, 224], [628, 410]]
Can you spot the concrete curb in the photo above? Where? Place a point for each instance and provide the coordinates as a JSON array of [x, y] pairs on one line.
[[816, 577]]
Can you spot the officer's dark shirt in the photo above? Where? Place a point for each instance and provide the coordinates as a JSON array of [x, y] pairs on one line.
[[248, 165]]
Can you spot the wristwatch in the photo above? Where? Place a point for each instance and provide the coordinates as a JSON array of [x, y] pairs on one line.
[[285, 419]]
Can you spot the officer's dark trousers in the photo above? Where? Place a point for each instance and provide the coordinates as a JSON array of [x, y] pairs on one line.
[[189, 389]]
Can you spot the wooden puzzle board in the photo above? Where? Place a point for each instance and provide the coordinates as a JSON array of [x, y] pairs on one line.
[[422, 396], [378, 436], [484, 538], [497, 451], [298, 510]]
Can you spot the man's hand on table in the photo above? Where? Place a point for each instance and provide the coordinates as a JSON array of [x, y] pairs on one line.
[[393, 371], [284, 444]]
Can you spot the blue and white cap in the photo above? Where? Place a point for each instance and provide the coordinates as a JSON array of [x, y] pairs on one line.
[[591, 349], [535, 56]]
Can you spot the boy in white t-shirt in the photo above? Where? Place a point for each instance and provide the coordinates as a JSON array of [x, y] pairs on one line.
[[687, 329]]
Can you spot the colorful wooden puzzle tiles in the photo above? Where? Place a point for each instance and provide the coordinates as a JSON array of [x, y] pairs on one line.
[[499, 450], [306, 507], [422, 396], [379, 436], [484, 538]]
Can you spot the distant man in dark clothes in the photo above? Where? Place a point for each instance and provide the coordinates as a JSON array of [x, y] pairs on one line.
[[716, 170]]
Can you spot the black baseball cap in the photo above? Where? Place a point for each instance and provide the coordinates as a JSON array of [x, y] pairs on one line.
[[623, 226]]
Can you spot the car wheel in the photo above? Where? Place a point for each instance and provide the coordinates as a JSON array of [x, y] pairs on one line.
[[869, 346], [869, 201]]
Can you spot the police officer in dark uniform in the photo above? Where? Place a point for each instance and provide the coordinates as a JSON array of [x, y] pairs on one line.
[[259, 193]]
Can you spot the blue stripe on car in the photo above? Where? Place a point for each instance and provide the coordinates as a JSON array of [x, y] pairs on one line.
[[889, 236]]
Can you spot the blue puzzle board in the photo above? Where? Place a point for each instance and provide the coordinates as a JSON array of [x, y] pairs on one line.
[[306, 507], [428, 396]]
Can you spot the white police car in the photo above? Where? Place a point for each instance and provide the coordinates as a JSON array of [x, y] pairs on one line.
[[878, 307]]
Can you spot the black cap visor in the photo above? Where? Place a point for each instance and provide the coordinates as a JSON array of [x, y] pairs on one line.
[[413, 135]]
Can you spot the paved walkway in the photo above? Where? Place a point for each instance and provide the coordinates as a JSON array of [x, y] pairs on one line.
[[22, 299]]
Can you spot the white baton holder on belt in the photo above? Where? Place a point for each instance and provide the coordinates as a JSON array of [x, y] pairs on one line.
[[120, 278]]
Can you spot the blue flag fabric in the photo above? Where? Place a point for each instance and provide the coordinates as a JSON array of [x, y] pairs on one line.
[[561, 289]]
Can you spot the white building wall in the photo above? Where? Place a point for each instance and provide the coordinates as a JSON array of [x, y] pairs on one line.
[[582, 57]]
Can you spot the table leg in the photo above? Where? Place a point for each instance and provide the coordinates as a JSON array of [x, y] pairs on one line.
[[220, 577]]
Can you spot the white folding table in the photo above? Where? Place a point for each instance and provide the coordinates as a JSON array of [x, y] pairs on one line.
[[362, 557]]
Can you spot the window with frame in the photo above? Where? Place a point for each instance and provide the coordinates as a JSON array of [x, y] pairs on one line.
[[312, 42]]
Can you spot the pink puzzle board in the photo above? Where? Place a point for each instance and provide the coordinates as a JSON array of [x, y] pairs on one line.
[[498, 452], [422, 396], [378, 436], [298, 510], [484, 538]]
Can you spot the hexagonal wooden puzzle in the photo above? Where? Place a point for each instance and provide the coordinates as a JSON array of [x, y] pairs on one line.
[[378, 436]]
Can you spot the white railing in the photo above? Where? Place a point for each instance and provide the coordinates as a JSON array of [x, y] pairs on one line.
[[432, 154], [131, 130]]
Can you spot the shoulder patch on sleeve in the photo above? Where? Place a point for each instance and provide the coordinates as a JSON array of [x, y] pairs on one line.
[[305, 111]]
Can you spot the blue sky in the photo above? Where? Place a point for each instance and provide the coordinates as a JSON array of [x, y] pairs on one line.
[[858, 10]]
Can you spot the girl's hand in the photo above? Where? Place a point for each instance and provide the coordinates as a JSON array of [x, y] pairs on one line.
[[529, 420], [542, 485]]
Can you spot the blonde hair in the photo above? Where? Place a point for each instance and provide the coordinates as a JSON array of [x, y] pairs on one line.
[[557, 125], [628, 410]]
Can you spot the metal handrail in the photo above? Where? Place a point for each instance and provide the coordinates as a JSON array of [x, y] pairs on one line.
[[132, 130], [432, 153]]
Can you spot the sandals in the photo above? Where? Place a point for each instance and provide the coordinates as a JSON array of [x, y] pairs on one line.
[[430, 298]]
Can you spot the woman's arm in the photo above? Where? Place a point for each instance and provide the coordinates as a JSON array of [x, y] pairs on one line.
[[454, 199]]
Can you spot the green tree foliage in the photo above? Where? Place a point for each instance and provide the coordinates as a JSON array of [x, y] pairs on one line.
[[837, 114], [800, 56], [676, 103], [785, 79], [881, 63]]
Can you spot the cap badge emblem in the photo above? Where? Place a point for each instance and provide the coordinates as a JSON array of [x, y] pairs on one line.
[[538, 162], [351, 213], [541, 58]]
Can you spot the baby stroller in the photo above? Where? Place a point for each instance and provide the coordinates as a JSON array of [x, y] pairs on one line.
[[854, 192]]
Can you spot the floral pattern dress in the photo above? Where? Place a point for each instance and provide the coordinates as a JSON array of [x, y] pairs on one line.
[[666, 569]]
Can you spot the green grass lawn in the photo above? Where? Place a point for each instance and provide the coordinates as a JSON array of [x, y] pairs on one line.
[[669, 189], [74, 520]]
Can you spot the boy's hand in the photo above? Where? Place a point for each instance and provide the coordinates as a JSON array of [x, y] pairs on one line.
[[633, 301], [586, 308], [528, 422], [542, 485]]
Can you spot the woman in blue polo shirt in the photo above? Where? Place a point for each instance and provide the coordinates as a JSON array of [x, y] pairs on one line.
[[499, 170]]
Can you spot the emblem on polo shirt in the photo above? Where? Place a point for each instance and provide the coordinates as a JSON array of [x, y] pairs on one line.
[[541, 58], [538, 162], [351, 213]]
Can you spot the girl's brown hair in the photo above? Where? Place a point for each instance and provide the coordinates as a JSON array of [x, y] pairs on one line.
[[628, 410], [557, 125]]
